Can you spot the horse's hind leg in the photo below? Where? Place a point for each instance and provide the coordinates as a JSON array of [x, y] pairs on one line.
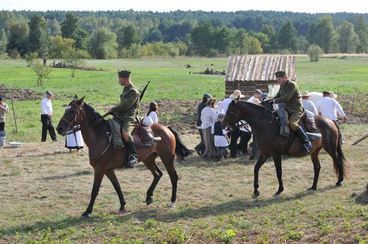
[[277, 161], [114, 181], [316, 168], [156, 172], [99, 174], [168, 161], [261, 160]]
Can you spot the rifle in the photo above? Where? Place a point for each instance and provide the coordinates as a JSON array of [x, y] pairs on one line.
[[140, 99]]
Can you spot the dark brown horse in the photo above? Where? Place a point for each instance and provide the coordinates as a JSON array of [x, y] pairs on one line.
[[271, 144], [104, 159]]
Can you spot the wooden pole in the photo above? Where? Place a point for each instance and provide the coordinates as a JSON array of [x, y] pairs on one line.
[[15, 120], [361, 139]]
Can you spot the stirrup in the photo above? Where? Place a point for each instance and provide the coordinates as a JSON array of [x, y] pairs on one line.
[[132, 161]]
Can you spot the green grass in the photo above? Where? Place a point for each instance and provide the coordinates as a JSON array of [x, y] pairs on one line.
[[170, 80]]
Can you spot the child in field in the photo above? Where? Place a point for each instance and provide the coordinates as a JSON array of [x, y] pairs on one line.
[[220, 137]]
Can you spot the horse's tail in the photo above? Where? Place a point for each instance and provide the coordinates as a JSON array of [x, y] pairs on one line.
[[341, 159], [181, 150]]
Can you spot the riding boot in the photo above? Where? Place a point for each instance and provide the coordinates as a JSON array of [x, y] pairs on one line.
[[307, 145], [133, 156]]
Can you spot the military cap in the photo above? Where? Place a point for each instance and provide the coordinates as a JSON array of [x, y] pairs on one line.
[[124, 73], [280, 74]]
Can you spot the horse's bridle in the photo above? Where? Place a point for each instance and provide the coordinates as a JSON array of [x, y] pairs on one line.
[[75, 121]]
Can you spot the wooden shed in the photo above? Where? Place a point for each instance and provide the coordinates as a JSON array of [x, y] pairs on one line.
[[250, 72]]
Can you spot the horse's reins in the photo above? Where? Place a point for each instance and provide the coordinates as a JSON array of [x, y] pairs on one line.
[[70, 123]]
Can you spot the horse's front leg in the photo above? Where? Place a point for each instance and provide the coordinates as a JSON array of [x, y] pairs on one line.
[[277, 161], [96, 187], [115, 182], [261, 160]]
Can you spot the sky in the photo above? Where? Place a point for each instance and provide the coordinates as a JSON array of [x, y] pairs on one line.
[[309, 6]]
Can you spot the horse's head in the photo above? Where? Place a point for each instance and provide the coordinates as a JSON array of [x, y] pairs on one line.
[[232, 116], [73, 115]]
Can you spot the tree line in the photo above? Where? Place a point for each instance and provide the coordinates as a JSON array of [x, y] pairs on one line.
[[132, 34]]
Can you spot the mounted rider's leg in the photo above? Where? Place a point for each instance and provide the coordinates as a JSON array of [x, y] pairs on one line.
[[293, 123], [128, 139]]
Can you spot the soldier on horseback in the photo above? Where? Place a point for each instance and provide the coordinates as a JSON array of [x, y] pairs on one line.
[[124, 116], [289, 94]]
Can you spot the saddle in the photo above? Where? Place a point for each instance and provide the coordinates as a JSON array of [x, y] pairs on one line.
[[143, 135]]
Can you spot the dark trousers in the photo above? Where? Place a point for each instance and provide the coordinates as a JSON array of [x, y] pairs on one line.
[[2, 126], [47, 126], [244, 139], [200, 147], [234, 136]]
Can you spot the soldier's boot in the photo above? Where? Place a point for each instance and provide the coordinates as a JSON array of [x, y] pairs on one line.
[[133, 156], [307, 145]]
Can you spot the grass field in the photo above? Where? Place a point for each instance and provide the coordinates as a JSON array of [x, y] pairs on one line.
[[44, 189]]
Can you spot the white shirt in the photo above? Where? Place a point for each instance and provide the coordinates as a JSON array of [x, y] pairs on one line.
[[153, 116], [330, 108], [3, 109], [208, 117], [46, 106], [309, 105], [253, 100], [224, 105]]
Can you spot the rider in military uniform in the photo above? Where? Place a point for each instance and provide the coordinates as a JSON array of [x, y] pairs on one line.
[[124, 114], [289, 94]]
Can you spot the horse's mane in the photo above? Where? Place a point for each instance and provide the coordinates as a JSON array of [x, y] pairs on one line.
[[94, 116], [255, 106]]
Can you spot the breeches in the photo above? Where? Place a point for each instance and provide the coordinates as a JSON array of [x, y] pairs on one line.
[[294, 118]]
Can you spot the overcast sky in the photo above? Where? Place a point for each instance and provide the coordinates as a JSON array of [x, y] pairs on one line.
[[310, 6]]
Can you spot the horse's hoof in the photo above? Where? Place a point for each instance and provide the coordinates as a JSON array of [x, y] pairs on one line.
[[338, 184], [171, 205], [312, 189], [149, 201], [121, 212], [256, 194], [85, 215], [277, 194]]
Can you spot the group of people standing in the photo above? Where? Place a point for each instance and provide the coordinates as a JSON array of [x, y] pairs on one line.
[[215, 138]]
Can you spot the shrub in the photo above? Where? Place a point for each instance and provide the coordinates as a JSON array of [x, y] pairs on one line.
[[314, 53]]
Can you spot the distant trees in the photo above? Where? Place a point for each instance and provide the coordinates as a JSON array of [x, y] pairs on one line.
[[105, 34], [347, 38], [288, 37], [102, 44], [361, 30], [38, 36]]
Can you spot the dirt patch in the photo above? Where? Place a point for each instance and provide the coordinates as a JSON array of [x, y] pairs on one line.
[[355, 106], [19, 94]]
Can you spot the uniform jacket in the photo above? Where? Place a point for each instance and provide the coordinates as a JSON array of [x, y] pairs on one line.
[[129, 104], [289, 94]]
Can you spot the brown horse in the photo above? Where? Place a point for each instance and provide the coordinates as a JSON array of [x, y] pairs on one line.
[[104, 159], [271, 144]]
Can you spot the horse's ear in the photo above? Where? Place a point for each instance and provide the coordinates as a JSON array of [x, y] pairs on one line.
[[80, 101]]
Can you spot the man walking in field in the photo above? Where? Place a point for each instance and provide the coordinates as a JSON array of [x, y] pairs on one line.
[[124, 115], [289, 94], [46, 117]]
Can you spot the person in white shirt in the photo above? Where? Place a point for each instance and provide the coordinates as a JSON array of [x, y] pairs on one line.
[[256, 98], [208, 118], [3, 109], [151, 116], [330, 108], [46, 117], [308, 104]]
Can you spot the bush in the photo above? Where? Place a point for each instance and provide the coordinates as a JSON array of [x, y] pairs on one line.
[[41, 71], [314, 53]]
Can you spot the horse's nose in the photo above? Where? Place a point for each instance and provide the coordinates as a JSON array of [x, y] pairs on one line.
[[59, 130]]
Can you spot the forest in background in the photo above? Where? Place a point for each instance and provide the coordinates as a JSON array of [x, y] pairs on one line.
[[134, 34]]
